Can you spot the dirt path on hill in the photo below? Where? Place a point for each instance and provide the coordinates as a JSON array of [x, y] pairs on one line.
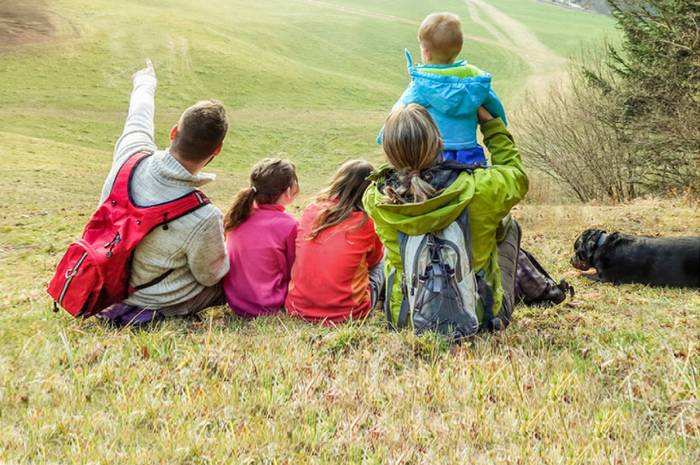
[[23, 22], [547, 68], [30, 21], [389, 18]]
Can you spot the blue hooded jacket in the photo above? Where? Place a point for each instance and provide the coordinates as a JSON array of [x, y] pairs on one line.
[[452, 102]]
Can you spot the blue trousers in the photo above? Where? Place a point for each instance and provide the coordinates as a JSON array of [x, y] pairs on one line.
[[471, 156]]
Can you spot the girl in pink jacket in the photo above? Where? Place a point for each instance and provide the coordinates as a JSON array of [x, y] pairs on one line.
[[260, 238]]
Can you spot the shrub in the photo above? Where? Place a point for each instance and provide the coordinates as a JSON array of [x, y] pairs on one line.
[[628, 123]]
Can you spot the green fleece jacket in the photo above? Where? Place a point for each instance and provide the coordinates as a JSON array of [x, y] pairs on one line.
[[489, 194]]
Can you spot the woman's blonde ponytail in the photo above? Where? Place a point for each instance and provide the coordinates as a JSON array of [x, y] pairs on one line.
[[412, 144]]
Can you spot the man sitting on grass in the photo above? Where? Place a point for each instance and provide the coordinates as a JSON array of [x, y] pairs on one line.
[[184, 261]]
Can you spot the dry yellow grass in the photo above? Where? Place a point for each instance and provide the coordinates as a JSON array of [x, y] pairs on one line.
[[609, 377]]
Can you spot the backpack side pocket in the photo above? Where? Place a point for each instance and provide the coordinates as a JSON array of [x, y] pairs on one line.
[[77, 281]]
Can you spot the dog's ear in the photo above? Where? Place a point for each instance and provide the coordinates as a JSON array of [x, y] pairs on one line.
[[591, 242], [578, 243], [591, 233], [586, 244], [582, 239]]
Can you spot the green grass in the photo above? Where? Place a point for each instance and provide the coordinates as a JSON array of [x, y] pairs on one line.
[[610, 377], [563, 30]]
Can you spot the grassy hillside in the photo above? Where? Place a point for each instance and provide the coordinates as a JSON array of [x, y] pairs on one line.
[[611, 377], [302, 77], [564, 30]]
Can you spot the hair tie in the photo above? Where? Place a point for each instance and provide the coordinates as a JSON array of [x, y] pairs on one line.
[[414, 173], [254, 189]]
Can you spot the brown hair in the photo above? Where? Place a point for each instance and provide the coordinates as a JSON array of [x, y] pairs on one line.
[[268, 181], [441, 34], [412, 144], [345, 189], [200, 131]]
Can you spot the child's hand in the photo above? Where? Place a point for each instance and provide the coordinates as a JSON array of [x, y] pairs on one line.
[[147, 71], [483, 115]]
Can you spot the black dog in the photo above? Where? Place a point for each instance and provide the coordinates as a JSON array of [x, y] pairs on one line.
[[623, 258]]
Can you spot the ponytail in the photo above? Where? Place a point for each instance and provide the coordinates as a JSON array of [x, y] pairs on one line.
[[269, 179], [420, 189], [412, 145], [411, 188], [240, 209]]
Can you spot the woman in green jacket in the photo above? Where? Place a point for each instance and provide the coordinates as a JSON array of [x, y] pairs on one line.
[[418, 193]]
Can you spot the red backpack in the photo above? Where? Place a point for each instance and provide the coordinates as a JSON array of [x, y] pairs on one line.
[[94, 272]]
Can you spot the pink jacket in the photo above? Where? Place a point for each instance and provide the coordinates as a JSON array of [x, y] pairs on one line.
[[261, 251]]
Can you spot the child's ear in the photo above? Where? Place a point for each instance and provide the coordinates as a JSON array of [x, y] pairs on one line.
[[292, 192], [218, 149], [425, 54], [173, 132]]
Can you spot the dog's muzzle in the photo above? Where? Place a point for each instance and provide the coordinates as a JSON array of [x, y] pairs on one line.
[[580, 264]]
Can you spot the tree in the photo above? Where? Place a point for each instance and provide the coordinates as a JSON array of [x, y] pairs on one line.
[[629, 122], [658, 87]]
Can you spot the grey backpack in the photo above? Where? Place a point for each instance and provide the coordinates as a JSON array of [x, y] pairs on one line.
[[440, 288]]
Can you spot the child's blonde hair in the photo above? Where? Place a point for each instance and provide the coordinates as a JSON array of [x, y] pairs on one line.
[[412, 144], [268, 181], [441, 35]]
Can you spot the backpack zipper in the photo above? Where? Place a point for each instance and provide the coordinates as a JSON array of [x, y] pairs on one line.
[[111, 244], [69, 277], [454, 247]]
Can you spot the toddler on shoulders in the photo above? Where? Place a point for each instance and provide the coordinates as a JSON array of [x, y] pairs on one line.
[[450, 89]]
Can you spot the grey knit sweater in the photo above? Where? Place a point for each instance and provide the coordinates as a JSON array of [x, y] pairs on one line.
[[193, 245]]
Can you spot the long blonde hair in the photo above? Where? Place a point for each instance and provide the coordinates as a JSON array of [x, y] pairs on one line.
[[412, 144], [268, 181], [345, 190]]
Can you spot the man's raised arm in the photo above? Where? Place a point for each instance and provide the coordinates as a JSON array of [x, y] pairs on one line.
[[138, 129]]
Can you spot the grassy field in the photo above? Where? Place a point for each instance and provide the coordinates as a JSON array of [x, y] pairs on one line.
[[564, 31], [609, 377]]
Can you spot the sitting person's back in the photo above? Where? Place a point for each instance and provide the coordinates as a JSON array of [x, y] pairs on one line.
[[177, 267], [191, 246], [260, 238], [419, 193], [338, 272], [451, 90]]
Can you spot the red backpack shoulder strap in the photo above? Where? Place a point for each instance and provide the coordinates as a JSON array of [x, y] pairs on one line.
[[163, 213], [120, 187], [155, 215], [181, 206]]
